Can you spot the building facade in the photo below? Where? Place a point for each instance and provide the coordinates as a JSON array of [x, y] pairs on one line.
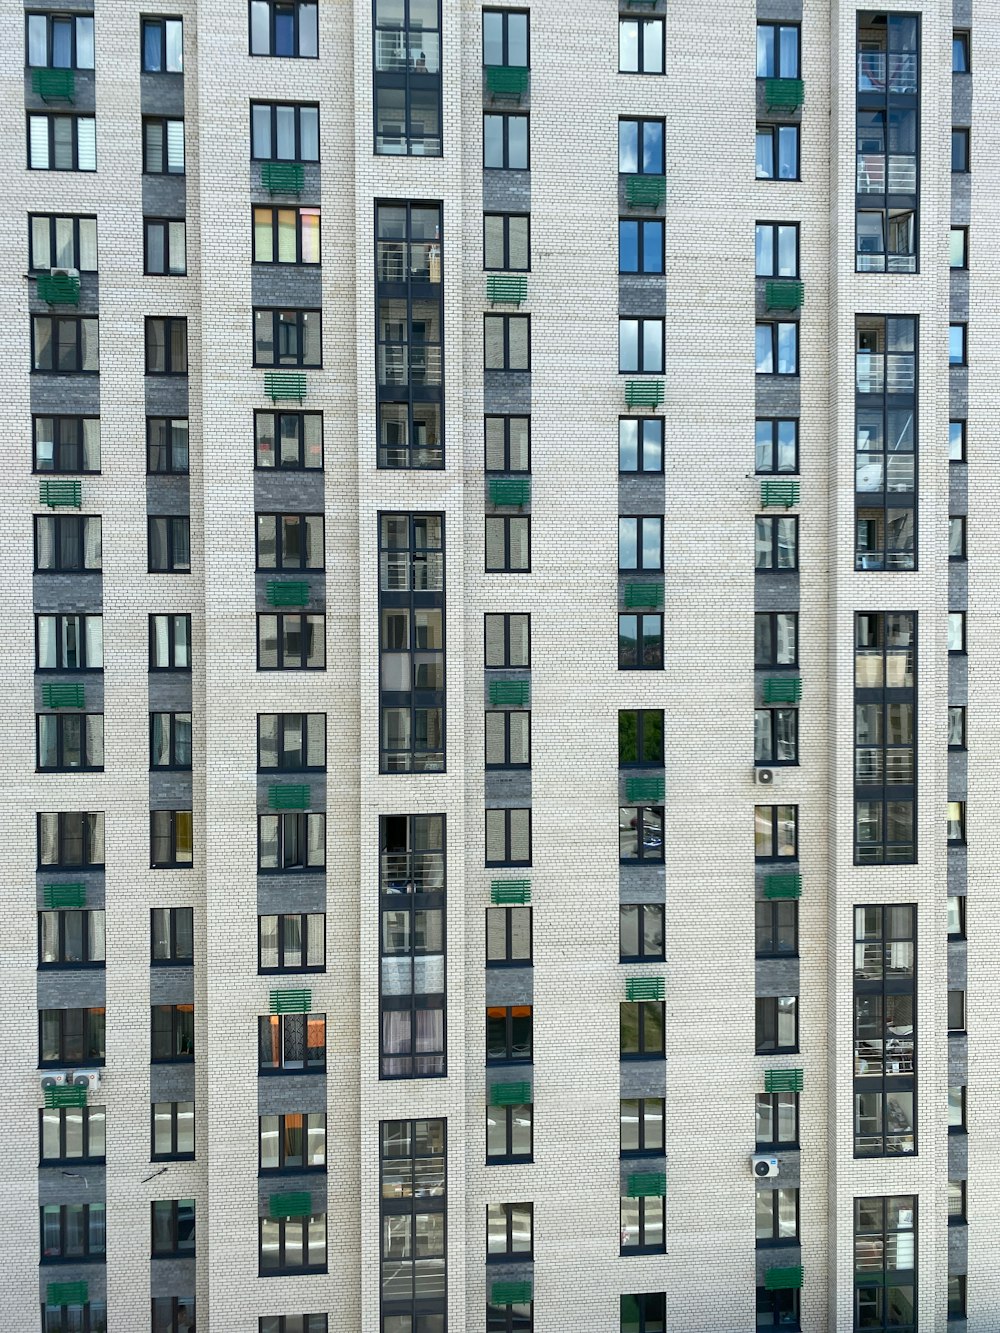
[[363, 563]]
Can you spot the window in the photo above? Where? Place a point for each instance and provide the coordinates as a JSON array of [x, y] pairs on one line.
[[291, 842], [641, 1120], [957, 1110], [166, 347], [162, 46], [169, 545], [167, 444], [640, 642], [69, 643], [885, 1059], [293, 1142], [291, 742], [72, 1134], [777, 1119], [960, 62], [640, 346], [288, 441], [173, 1314], [291, 1043], [958, 247], [170, 740], [72, 1231], [956, 727], [71, 938], [508, 444], [777, 51], [960, 150], [505, 37], [505, 141], [517, 1317], [956, 1296], [172, 1033], [956, 441], [776, 833], [508, 837], [294, 942], [508, 1034], [885, 239], [162, 146], [641, 1029], [166, 247], [292, 1245], [290, 642], [509, 1229], [956, 1203], [172, 1131], [290, 541], [640, 444], [885, 1259], [413, 1215], [171, 934], [284, 132], [777, 152], [957, 337], [642, 1225], [284, 28], [956, 916], [508, 739], [640, 833], [71, 839], [956, 631], [640, 932], [776, 638], [777, 1023], [67, 543], [286, 235], [776, 542], [507, 342], [956, 537], [640, 46], [776, 929], [172, 1228], [508, 544], [640, 738], [71, 1036], [62, 143], [508, 936], [509, 1134], [776, 736], [885, 426], [170, 839], [777, 250], [170, 643], [508, 640], [640, 543], [645, 1313], [956, 1012], [292, 1323], [64, 345], [408, 77], [62, 241], [885, 716], [60, 41], [507, 241], [777, 1216], [777, 348], [67, 444], [68, 742], [640, 147], [288, 338], [956, 821]]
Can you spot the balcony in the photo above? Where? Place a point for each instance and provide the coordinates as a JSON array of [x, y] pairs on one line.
[[783, 1279], [783, 886], [510, 1293], [289, 796], [643, 988], [289, 592], [283, 386], [645, 191], [56, 494], [63, 696], [510, 1094], [508, 83], [54, 85], [784, 493], [55, 896], [290, 1203], [645, 789], [643, 393], [647, 1184], [282, 177], [643, 596], [58, 288], [512, 491], [784, 94], [783, 1080], [412, 872], [784, 295], [782, 690], [506, 289], [515, 693], [510, 892], [67, 1293], [291, 1001]]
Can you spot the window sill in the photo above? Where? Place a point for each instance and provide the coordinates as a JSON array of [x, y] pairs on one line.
[[777, 1050], [290, 971], [510, 962], [72, 967], [292, 1272], [271, 1073], [777, 957], [791, 1242], [171, 962], [642, 958], [171, 1060], [505, 1161], [71, 1162], [520, 1257], [170, 1157], [634, 1250], [58, 1260], [639, 1059], [270, 1172], [74, 1062], [289, 870], [775, 1148]]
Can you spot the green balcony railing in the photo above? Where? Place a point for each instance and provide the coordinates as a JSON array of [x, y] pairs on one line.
[[646, 1184], [781, 492], [55, 896], [506, 289], [54, 85], [58, 288], [67, 1293], [645, 789], [289, 796], [290, 1203], [782, 690], [507, 82], [784, 295], [643, 393], [783, 886], [643, 988], [283, 177], [515, 692], [510, 892], [643, 596], [510, 491], [783, 1279], [56, 493], [57, 1097], [510, 1094], [291, 1001], [783, 1080], [645, 191], [287, 592], [63, 696], [784, 94], [510, 1293], [284, 386]]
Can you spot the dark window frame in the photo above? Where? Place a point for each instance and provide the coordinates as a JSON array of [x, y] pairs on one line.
[[509, 1015], [774, 130], [961, 150], [48, 16], [507, 764], [174, 956], [506, 117], [171, 1210], [168, 270], [90, 1230], [766, 1021], [159, 164], [53, 219], [92, 1035], [280, 1026], [178, 1033], [506, 812], [775, 908], [64, 441], [641, 20], [771, 663], [284, 968], [775, 423], [641, 910], [63, 723], [283, 720], [657, 857], [273, 225], [641, 122], [644, 253], [173, 527], [280, 322], [306, 1168], [776, 1241], [505, 322], [509, 1254], [774, 325], [61, 1115], [506, 266], [282, 561], [67, 530], [278, 464], [298, 108], [172, 469], [645, 746], [170, 834], [641, 1247], [172, 641], [648, 650], [639, 520], [505, 1114], [87, 837], [774, 715], [774, 522], [508, 959], [507, 524], [51, 118], [505, 617], [295, 8], [174, 1155], [301, 818], [309, 620], [774, 224], [641, 422], [159, 22], [776, 26], [643, 1150], [641, 368], [59, 637], [508, 467], [170, 323], [775, 1100], [62, 916], [647, 1046], [57, 322], [285, 1226]]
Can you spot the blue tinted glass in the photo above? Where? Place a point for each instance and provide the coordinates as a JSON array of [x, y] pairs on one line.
[[652, 247], [628, 145], [152, 47], [284, 32], [652, 148], [788, 53], [628, 247], [765, 155]]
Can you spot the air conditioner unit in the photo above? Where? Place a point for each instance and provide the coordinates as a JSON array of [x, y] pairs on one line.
[[54, 1080], [763, 1166], [86, 1078], [64, 272], [764, 777]]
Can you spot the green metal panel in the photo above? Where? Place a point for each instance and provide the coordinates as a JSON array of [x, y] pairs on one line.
[[287, 592], [54, 85], [784, 295], [510, 491], [647, 1184], [645, 191], [645, 789], [783, 1080], [56, 1097], [517, 692], [782, 689], [291, 1001], [510, 1094], [779, 493], [501, 288], [639, 596], [643, 393], [783, 1279], [67, 1293], [643, 988], [784, 94], [290, 796], [510, 892], [55, 896], [506, 81], [58, 288], [783, 886], [290, 1203], [510, 1293], [284, 386], [55, 493], [63, 696], [282, 177]]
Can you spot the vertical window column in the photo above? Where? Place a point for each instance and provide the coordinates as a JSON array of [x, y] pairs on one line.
[[885, 1047], [885, 715], [886, 442]]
